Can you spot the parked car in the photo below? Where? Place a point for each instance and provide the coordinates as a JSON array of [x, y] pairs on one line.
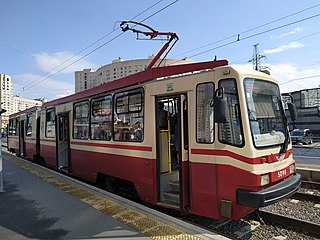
[[301, 136]]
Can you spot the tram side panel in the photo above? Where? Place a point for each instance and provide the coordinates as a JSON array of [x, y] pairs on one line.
[[30, 144], [47, 138], [13, 135], [214, 183], [131, 161], [13, 143], [30, 135], [125, 162], [12, 138], [48, 152]]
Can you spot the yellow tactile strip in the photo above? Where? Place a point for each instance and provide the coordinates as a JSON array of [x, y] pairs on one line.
[[136, 219]]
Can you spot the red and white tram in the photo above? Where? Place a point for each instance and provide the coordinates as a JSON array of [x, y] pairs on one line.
[[221, 150], [22, 134]]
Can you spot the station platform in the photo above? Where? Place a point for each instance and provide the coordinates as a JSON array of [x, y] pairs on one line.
[[38, 203]]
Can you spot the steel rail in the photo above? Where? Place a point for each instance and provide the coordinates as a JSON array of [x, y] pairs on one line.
[[310, 185], [306, 197], [290, 222]]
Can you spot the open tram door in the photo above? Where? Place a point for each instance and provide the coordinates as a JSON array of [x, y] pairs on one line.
[[63, 142], [172, 151]]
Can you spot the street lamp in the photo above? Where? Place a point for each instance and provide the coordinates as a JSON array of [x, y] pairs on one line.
[[1, 180]]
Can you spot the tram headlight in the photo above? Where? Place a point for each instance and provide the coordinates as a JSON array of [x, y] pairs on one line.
[[292, 168], [265, 179]]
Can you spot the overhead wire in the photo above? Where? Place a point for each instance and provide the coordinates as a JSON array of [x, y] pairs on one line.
[[310, 35], [84, 49], [302, 78], [48, 75], [72, 63], [203, 52], [249, 30], [295, 79], [16, 50], [251, 36]]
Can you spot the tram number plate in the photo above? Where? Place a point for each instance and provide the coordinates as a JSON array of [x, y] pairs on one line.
[[280, 174]]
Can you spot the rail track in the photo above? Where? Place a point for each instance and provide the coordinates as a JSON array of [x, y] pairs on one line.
[[306, 197], [291, 222], [310, 185], [294, 218], [309, 191]]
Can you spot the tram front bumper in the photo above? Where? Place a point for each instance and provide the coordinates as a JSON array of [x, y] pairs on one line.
[[269, 195]]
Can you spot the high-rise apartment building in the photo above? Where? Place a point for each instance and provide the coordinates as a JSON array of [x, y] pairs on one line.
[[21, 103], [119, 68], [10, 103], [6, 97]]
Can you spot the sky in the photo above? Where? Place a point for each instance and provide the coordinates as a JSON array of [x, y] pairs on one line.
[[42, 42]]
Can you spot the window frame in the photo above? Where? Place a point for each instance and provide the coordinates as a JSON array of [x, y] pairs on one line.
[[239, 112], [196, 112], [82, 102], [92, 101], [46, 122], [129, 94], [281, 109], [17, 126], [30, 115], [10, 127]]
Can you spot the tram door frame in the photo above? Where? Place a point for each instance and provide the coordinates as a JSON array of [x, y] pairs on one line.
[[63, 141], [183, 156], [22, 143]]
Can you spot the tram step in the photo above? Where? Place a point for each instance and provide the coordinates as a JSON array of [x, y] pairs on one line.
[[175, 185], [172, 197]]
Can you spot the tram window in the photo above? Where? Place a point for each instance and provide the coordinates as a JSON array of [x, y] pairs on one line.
[[81, 120], [128, 116], [50, 123], [205, 122], [17, 126], [13, 126], [29, 125], [231, 131], [10, 127], [101, 118], [135, 102], [121, 105]]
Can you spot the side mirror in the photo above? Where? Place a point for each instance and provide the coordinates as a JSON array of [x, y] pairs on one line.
[[293, 111], [220, 110], [220, 106]]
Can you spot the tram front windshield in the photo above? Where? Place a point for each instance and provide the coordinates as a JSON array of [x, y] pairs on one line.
[[265, 112]]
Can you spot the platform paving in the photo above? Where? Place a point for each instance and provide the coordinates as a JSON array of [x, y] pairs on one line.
[[34, 209]]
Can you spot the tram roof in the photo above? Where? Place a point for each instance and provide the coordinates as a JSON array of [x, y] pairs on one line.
[[245, 70], [28, 110], [138, 78]]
